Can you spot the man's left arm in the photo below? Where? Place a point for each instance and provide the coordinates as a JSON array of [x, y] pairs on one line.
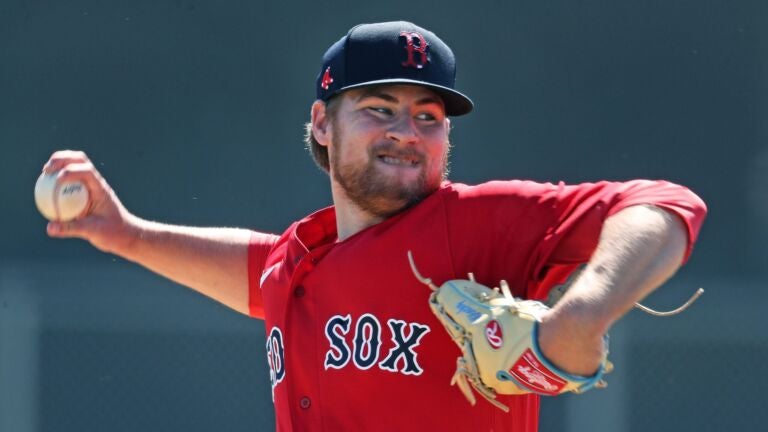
[[640, 247]]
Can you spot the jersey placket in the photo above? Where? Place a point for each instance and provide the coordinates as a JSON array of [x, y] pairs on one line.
[[301, 317]]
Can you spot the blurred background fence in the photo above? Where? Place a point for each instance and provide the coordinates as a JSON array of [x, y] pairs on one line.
[[193, 112]]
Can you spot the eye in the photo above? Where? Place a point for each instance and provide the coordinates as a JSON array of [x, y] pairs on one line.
[[426, 116], [380, 110]]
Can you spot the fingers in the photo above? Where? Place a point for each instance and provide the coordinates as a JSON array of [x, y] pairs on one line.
[[61, 158], [85, 173], [74, 165]]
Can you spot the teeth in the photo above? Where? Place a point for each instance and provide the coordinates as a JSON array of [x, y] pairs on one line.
[[397, 161]]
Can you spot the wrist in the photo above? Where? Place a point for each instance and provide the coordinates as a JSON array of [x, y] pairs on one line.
[[572, 341], [127, 240], [584, 318]]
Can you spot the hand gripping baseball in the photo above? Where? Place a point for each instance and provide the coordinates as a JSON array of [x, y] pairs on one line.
[[498, 338], [106, 222]]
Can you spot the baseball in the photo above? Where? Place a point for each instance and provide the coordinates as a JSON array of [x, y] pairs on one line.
[[60, 203]]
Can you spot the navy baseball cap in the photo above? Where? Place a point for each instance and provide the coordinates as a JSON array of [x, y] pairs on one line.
[[396, 52]]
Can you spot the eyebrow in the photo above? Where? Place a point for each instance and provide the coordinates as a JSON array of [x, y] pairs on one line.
[[376, 93]]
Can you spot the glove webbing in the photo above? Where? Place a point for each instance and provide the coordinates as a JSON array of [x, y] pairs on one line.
[[466, 369]]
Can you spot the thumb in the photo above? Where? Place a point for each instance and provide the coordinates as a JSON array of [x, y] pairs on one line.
[[73, 228]]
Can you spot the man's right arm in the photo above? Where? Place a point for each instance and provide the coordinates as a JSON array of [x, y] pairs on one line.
[[212, 261]]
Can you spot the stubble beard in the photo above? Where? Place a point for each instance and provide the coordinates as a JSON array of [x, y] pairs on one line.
[[375, 193]]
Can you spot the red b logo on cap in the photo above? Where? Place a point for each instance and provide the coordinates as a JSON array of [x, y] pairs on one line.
[[412, 48], [327, 79]]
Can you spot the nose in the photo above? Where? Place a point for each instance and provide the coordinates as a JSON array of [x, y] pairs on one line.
[[403, 131]]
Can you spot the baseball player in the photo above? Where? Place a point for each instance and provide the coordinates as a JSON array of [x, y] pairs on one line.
[[352, 339]]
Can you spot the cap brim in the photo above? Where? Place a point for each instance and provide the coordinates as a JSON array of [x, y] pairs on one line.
[[456, 103]]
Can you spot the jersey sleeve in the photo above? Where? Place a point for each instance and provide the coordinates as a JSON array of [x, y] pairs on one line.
[[538, 233], [581, 212], [583, 209], [259, 247]]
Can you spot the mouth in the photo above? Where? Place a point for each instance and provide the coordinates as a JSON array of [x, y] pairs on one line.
[[407, 161]]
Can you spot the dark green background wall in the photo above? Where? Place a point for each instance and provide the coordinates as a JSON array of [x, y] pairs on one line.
[[193, 111]]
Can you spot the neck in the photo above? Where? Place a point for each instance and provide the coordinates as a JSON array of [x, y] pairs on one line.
[[350, 219]]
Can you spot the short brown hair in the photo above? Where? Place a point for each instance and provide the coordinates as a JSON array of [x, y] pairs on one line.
[[320, 152]]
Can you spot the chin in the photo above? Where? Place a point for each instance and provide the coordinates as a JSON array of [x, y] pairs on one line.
[[388, 209], [384, 191], [407, 197]]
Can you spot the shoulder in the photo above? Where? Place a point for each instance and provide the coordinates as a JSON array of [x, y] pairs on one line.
[[497, 205], [522, 189]]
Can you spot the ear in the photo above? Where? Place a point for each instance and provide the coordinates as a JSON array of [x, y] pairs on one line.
[[321, 127]]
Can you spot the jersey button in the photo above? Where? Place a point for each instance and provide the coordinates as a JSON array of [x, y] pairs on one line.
[[299, 291], [305, 402]]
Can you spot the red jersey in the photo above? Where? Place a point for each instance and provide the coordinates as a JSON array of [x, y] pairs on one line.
[[351, 340]]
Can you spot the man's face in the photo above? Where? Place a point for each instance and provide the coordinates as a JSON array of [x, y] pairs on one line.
[[389, 148]]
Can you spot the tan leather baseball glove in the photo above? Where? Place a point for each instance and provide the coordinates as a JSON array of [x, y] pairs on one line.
[[497, 335]]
